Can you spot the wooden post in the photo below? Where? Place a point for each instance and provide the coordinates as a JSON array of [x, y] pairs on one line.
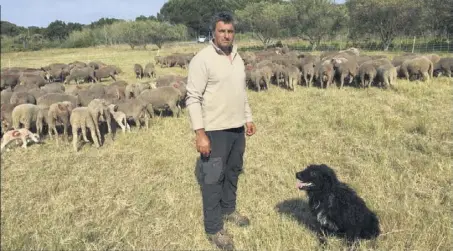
[[413, 45]]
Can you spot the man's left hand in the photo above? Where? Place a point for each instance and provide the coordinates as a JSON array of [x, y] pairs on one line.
[[251, 128]]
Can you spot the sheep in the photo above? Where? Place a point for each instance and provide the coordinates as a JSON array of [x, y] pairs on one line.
[[85, 73], [386, 75], [100, 112], [136, 110], [292, 77], [81, 118], [149, 70], [367, 73], [6, 96], [138, 69], [22, 98], [120, 117], [59, 112], [162, 98], [6, 116], [105, 72], [50, 98], [417, 66], [343, 68], [54, 88], [25, 114]]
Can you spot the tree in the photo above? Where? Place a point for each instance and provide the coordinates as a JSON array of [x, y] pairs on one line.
[[439, 16], [386, 18], [315, 20], [57, 30], [10, 29], [266, 20]]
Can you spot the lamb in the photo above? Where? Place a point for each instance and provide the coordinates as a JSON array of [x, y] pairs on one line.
[[120, 117], [81, 118], [166, 97], [25, 114], [105, 72]]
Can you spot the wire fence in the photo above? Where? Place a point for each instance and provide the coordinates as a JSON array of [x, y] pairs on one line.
[[406, 44]]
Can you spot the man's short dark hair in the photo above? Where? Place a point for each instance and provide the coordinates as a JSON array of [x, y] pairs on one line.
[[223, 16]]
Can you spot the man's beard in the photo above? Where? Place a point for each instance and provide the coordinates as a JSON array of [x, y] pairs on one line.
[[227, 49]]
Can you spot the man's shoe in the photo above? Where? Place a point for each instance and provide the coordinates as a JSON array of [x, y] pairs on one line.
[[222, 240], [237, 219]]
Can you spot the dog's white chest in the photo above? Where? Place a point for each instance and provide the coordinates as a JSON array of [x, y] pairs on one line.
[[322, 219]]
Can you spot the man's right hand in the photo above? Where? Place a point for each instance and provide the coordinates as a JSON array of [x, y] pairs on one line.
[[203, 143]]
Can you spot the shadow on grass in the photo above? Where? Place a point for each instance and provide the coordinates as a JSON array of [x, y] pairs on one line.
[[299, 210]]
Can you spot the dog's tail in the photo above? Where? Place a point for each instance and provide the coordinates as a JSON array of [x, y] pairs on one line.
[[372, 230]]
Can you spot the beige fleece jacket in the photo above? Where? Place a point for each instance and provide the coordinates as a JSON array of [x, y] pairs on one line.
[[216, 90]]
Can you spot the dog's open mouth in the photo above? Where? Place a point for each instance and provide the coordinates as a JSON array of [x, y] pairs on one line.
[[301, 185]]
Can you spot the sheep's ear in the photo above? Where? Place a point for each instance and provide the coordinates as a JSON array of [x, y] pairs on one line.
[[176, 85], [60, 107], [115, 108]]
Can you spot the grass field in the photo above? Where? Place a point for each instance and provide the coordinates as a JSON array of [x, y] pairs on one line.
[[139, 191]]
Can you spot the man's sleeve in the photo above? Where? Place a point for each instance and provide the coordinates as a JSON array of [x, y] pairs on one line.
[[248, 110], [196, 83]]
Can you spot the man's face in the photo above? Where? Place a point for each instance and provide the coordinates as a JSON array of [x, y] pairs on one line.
[[224, 34]]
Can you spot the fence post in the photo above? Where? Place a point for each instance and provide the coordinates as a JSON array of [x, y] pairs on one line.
[[413, 45]]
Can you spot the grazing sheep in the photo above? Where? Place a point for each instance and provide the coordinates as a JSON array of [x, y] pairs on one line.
[[25, 114], [292, 77], [149, 70], [419, 66], [324, 73], [22, 98], [84, 74], [6, 96], [344, 68], [32, 80], [166, 97], [138, 69], [367, 73], [100, 112], [105, 72], [81, 118], [6, 116], [54, 88], [137, 110], [59, 112], [50, 98], [120, 118], [386, 75], [444, 66]]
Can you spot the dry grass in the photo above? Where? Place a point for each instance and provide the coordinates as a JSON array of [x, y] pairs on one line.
[[140, 192]]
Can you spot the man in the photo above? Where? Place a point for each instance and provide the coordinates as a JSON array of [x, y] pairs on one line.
[[218, 109]]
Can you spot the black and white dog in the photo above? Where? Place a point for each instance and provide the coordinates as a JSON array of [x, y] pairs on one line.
[[337, 208]]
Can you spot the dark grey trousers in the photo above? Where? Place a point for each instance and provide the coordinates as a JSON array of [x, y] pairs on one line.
[[218, 175]]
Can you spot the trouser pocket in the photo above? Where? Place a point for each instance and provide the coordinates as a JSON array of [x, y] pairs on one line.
[[212, 170]]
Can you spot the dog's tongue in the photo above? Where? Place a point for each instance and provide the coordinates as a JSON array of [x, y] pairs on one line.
[[299, 184]]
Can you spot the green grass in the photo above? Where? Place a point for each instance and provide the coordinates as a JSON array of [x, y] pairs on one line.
[[139, 191]]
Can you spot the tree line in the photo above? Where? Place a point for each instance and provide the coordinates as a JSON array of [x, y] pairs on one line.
[[315, 21]]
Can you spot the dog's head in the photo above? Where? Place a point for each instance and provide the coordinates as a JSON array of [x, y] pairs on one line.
[[316, 177]]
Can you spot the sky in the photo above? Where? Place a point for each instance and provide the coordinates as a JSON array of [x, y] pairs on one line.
[[42, 12]]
